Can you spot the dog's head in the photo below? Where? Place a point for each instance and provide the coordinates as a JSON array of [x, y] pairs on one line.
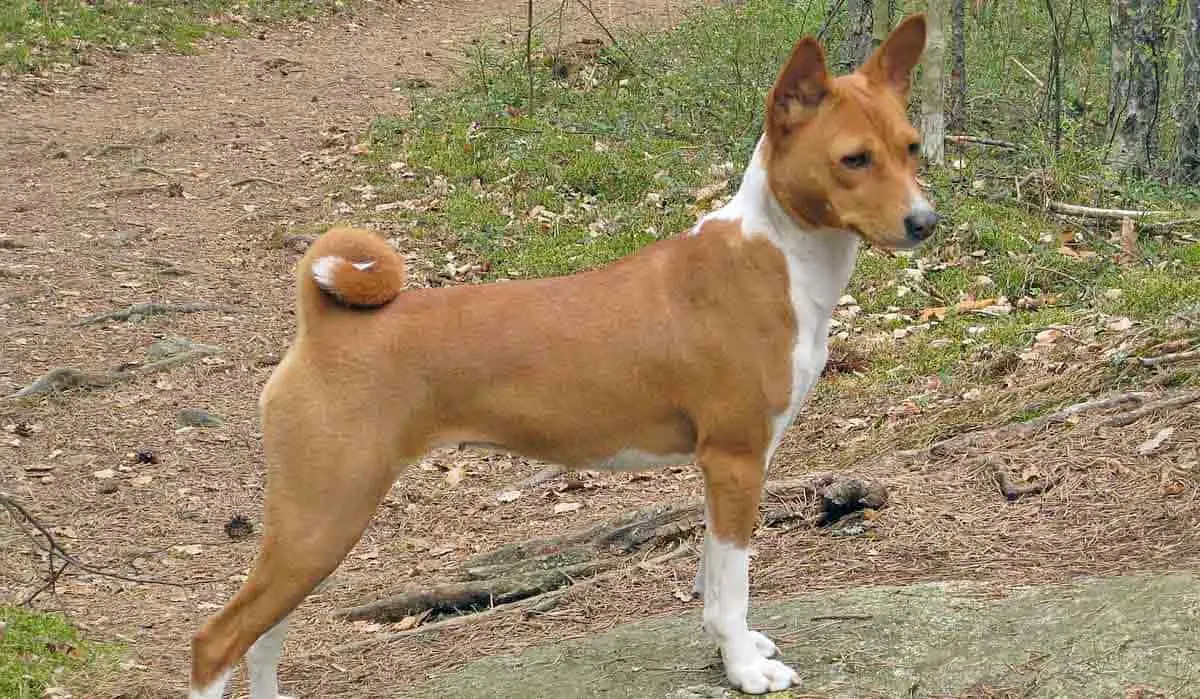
[[840, 152]]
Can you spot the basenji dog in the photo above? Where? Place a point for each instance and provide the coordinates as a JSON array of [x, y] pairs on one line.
[[697, 348]]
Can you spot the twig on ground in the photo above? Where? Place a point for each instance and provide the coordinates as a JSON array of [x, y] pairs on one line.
[[615, 44], [1172, 358], [52, 547], [1092, 212], [151, 309], [979, 140], [151, 170], [129, 191], [1176, 401]]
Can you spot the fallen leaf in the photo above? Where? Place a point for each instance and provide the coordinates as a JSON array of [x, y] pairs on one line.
[[509, 495], [1151, 445], [1173, 488], [454, 476], [1120, 324], [565, 507], [188, 549], [105, 474], [142, 481]]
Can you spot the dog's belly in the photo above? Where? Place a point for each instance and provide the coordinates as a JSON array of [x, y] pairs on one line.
[[638, 460]]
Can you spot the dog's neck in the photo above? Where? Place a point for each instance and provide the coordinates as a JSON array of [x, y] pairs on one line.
[[819, 261]]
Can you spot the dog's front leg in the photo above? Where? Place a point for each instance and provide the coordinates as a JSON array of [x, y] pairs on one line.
[[734, 480]]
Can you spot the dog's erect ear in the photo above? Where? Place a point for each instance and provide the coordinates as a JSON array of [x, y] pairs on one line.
[[892, 63], [801, 85]]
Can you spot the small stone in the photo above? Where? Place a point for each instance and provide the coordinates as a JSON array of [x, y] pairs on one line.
[[105, 487], [847, 300], [238, 527]]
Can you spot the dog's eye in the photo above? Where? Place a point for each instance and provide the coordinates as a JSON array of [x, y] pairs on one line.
[[857, 161], [914, 149]]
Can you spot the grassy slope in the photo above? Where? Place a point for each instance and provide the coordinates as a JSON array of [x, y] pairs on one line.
[[35, 648], [30, 39], [616, 155]]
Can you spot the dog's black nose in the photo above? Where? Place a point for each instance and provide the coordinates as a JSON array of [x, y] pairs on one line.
[[919, 224]]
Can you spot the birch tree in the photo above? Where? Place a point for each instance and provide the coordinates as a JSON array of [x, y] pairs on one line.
[[1187, 164], [1138, 74], [933, 118]]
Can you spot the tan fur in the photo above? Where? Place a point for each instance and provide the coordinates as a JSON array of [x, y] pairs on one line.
[[684, 347]]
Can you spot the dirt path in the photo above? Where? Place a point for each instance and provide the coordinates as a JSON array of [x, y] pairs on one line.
[[172, 179]]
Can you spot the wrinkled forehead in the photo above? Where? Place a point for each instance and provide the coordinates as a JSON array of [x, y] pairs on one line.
[[863, 109]]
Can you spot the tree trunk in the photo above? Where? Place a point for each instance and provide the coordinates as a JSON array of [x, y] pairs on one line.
[[881, 22], [957, 118], [1139, 67], [856, 44], [1187, 165], [933, 118]]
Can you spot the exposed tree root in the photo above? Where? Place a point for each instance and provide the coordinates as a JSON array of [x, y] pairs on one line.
[[150, 309], [534, 567], [61, 379]]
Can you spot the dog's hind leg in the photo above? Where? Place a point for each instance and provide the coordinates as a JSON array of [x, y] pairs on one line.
[[322, 490]]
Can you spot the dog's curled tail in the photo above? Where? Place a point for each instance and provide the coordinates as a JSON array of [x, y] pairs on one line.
[[352, 267]]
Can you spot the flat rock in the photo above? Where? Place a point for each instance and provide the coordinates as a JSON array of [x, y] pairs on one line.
[[1095, 637]]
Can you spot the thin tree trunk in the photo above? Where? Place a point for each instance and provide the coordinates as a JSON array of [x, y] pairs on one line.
[[1139, 69], [1187, 165], [957, 118], [856, 44], [881, 22], [933, 118]]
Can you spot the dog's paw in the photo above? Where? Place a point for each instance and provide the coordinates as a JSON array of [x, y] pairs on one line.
[[758, 675], [765, 646]]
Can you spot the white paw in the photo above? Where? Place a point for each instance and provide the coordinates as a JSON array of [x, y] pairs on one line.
[[765, 646], [758, 675]]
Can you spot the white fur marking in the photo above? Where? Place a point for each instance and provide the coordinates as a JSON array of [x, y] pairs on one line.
[[726, 603], [638, 460], [262, 660], [212, 691], [363, 266], [323, 269]]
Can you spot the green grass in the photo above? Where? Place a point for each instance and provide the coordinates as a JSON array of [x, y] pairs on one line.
[[35, 650], [31, 40], [606, 163]]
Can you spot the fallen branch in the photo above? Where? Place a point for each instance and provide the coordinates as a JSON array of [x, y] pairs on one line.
[[529, 603], [53, 548], [1171, 358], [1092, 212], [536, 566], [1028, 73], [967, 440], [979, 140], [1177, 401], [61, 379], [150, 309]]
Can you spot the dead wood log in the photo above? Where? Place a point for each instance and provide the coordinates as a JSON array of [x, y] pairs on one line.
[[546, 600], [456, 598], [150, 309], [1172, 358], [535, 566]]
